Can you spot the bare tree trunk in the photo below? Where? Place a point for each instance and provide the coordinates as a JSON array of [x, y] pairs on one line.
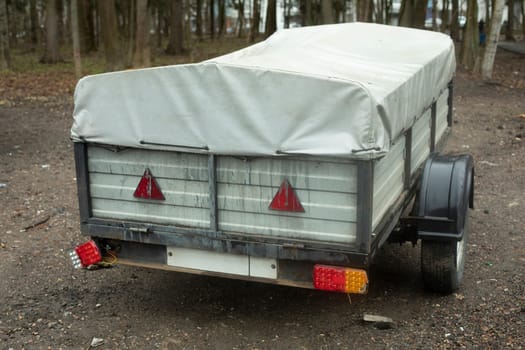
[[523, 16], [412, 13], [371, 6], [271, 18], [286, 13], [130, 29], [5, 58], [405, 13], [339, 10], [470, 48], [254, 30], [222, 17], [379, 12], [198, 20], [52, 53], [240, 18], [141, 52], [92, 26], [12, 23], [158, 27], [434, 14], [109, 33], [492, 40], [33, 15], [327, 10], [362, 9], [509, 33], [85, 26], [76, 38], [62, 35], [212, 18], [176, 42], [307, 13], [445, 15], [353, 11], [454, 21]]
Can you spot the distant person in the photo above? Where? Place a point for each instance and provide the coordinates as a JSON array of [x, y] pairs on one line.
[[482, 35]]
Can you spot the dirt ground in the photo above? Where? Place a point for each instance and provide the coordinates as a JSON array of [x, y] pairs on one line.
[[46, 304]]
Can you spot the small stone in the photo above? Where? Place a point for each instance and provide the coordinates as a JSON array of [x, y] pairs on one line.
[[380, 322], [95, 342]]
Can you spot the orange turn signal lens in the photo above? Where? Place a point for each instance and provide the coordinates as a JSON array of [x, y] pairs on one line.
[[340, 279]]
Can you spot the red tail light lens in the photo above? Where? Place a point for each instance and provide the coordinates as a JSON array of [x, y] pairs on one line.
[[340, 279], [85, 254]]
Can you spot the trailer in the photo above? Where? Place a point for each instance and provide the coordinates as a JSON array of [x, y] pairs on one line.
[[290, 162]]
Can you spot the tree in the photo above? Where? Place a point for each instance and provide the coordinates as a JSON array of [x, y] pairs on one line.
[[86, 29], [434, 14], [109, 33], [176, 40], [492, 40], [470, 48], [445, 14], [327, 14], [287, 13], [412, 13], [212, 18], [239, 6], [33, 17], [509, 33], [254, 30], [62, 35], [307, 12], [198, 19], [76, 38], [383, 11], [5, 59], [141, 49], [271, 18], [52, 52], [363, 10], [454, 21], [523, 16], [222, 17]]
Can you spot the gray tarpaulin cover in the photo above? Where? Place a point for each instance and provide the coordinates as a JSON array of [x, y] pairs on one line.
[[345, 90]]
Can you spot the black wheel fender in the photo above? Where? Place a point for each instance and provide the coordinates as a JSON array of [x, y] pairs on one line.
[[446, 193]]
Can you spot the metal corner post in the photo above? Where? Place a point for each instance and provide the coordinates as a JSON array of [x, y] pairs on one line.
[[365, 193], [212, 183], [433, 125], [450, 102], [408, 159], [81, 165]]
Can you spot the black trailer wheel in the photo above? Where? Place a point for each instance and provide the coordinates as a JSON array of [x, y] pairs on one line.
[[446, 193], [443, 262]]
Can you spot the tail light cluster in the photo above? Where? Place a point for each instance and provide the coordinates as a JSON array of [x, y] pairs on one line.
[[340, 279], [85, 254]]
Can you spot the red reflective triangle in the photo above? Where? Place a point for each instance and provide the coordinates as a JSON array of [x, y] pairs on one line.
[[286, 200], [148, 187]]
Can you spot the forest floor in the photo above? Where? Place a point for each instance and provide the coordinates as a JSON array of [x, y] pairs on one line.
[[46, 304]]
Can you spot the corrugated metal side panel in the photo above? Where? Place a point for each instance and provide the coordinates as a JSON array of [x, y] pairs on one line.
[[441, 114], [327, 190], [182, 177], [420, 141], [388, 181]]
